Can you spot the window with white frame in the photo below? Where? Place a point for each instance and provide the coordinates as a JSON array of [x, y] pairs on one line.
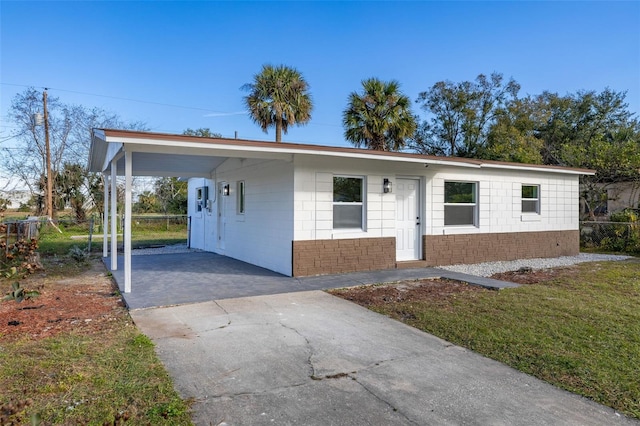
[[460, 205], [347, 202], [240, 197], [531, 199]]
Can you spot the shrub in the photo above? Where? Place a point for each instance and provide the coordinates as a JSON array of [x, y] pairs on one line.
[[626, 215]]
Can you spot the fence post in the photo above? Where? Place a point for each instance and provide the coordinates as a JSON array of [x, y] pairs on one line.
[[90, 234], [6, 247]]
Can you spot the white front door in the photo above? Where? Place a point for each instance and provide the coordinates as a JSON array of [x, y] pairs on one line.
[[407, 219], [222, 215]]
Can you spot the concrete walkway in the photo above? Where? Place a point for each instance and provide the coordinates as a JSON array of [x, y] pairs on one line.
[[309, 358], [174, 279]]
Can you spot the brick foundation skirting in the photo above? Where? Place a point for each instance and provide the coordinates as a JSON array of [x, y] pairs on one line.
[[476, 248], [317, 257]]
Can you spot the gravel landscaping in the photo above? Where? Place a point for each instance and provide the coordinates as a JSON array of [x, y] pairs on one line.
[[485, 269], [488, 269]]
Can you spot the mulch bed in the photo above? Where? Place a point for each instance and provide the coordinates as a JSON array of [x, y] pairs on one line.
[[85, 303]]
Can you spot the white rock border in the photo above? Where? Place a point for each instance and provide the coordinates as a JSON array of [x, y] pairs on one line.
[[487, 269], [169, 249]]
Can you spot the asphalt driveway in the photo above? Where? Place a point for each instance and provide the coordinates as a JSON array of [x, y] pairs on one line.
[[309, 358]]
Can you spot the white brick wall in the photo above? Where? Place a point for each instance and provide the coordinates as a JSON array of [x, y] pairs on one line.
[[283, 205], [263, 235], [379, 217], [499, 201], [499, 198]]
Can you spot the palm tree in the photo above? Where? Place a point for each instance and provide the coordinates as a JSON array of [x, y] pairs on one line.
[[380, 117], [279, 96]]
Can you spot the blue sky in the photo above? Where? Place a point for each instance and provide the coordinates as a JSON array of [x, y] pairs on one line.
[[195, 56]]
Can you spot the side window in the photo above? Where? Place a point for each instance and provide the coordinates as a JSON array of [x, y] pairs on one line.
[[347, 202], [531, 199], [460, 205], [240, 197]]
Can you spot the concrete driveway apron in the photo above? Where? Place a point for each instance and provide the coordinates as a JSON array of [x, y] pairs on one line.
[[309, 358]]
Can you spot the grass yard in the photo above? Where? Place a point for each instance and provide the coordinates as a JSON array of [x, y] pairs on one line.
[[579, 331], [143, 235], [102, 378], [73, 356]]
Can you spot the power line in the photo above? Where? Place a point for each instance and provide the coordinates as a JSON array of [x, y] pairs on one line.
[[123, 99], [313, 123]]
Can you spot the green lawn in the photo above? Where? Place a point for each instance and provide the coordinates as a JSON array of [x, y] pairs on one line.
[[109, 376], [57, 243], [104, 378], [580, 332]]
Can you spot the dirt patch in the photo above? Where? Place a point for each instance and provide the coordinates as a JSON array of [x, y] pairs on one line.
[[87, 302], [534, 276], [405, 291], [439, 290]]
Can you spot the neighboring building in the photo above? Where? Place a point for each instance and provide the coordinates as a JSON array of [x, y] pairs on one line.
[[307, 209], [16, 197], [613, 197]]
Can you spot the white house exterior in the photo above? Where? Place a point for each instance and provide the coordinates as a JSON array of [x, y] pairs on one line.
[[280, 214], [307, 209]]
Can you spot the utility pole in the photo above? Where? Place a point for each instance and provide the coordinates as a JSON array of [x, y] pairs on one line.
[[48, 154]]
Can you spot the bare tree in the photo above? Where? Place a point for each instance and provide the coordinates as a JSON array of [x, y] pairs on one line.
[[69, 131]]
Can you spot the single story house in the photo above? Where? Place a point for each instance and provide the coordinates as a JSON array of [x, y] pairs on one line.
[[308, 209]]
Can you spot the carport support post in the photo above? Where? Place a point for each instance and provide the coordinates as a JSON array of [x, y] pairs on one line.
[[114, 217], [128, 168], [105, 216]]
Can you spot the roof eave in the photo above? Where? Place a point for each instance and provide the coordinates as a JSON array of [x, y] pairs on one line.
[[539, 168], [240, 146]]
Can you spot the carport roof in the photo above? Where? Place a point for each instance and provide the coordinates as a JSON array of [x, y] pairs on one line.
[[161, 154]]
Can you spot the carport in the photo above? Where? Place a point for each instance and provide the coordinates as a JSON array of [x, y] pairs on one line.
[[126, 153]]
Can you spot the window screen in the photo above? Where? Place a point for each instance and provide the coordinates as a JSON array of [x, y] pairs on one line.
[[460, 204], [530, 199], [347, 202]]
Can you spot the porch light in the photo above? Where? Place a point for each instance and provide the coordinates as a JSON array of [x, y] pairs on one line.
[[386, 186], [225, 190]]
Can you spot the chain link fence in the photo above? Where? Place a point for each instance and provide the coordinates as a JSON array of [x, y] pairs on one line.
[[611, 236]]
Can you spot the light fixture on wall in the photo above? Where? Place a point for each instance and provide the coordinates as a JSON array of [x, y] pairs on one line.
[[386, 185], [225, 190]]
